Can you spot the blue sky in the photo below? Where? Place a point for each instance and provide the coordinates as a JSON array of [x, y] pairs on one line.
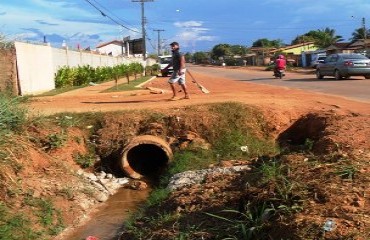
[[197, 25]]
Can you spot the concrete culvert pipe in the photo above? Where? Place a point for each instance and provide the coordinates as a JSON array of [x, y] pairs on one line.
[[145, 155]]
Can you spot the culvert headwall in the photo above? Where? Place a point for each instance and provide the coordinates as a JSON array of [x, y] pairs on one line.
[[145, 155]]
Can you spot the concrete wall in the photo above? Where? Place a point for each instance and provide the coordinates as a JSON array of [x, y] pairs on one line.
[[8, 71], [38, 64]]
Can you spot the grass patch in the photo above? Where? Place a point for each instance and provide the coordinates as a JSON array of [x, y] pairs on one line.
[[15, 226], [85, 161], [128, 86], [48, 216], [60, 91]]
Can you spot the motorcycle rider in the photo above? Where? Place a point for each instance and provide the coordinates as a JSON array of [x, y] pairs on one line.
[[280, 64]]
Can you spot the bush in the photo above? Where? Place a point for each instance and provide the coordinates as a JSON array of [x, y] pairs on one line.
[[82, 75]]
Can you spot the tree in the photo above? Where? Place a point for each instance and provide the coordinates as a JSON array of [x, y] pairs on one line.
[[188, 57], [265, 43], [221, 50], [322, 38], [200, 57], [238, 50], [359, 33]]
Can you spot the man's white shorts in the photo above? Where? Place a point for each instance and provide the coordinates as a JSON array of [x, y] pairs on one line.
[[175, 78]]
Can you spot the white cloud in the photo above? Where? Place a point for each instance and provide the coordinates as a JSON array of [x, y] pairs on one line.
[[188, 24], [191, 32]]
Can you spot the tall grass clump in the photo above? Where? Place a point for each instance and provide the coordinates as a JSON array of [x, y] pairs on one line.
[[12, 114], [239, 132]]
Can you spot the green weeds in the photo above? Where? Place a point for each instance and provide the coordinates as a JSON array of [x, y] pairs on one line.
[[48, 216], [15, 226], [346, 172], [55, 140], [85, 161]]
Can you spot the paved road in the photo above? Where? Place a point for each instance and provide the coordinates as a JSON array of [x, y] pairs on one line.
[[357, 88]]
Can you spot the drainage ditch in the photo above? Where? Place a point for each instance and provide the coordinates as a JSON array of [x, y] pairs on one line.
[[148, 155]]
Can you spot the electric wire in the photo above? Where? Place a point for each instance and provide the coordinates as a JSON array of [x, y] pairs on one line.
[[113, 14], [113, 20]]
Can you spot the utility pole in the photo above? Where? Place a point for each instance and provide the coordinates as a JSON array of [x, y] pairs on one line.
[[159, 39], [364, 27], [143, 21]]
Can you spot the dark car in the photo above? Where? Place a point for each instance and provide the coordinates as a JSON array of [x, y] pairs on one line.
[[344, 65]]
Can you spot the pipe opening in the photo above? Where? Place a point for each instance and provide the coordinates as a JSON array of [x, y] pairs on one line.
[[147, 159], [145, 156]]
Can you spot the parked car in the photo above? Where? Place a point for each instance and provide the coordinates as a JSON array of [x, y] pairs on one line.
[[344, 65], [318, 60], [163, 62]]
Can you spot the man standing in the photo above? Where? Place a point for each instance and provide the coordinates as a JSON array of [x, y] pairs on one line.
[[178, 75]]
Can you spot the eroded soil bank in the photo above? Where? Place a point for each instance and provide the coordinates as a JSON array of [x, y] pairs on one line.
[[320, 176], [321, 172]]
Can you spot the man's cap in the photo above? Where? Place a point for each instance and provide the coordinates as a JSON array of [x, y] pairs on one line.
[[174, 43]]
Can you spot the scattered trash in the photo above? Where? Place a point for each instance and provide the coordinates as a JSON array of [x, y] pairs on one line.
[[244, 149], [68, 117], [89, 127], [92, 84], [329, 225], [114, 96]]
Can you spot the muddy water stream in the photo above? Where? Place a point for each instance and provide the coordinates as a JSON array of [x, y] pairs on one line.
[[106, 222]]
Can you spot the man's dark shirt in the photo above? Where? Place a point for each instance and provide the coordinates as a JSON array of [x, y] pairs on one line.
[[176, 60]]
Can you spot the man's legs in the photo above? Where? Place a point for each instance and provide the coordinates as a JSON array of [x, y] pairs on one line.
[[183, 86], [173, 90]]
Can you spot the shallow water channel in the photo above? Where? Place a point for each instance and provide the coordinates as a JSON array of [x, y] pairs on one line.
[[107, 221]]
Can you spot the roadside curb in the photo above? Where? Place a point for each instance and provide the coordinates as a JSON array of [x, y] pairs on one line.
[[141, 84]]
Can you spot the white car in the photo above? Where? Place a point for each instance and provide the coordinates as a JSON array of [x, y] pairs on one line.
[[317, 61], [163, 62]]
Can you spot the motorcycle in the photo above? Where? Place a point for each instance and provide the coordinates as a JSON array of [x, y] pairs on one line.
[[279, 73]]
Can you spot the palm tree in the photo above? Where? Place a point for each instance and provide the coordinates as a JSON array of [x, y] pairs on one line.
[[322, 37], [327, 37], [359, 33]]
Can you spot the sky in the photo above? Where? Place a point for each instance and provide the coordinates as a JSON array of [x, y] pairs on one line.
[[197, 25]]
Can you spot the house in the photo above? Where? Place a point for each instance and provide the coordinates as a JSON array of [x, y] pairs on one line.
[[342, 47], [263, 56], [296, 54], [259, 56], [113, 48]]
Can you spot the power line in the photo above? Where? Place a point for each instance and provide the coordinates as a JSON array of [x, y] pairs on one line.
[[113, 20], [113, 14]]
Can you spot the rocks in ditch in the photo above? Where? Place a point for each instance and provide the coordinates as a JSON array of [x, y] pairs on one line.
[[138, 185], [190, 178], [104, 184]]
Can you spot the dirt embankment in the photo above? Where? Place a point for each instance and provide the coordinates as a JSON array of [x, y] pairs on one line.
[[335, 170]]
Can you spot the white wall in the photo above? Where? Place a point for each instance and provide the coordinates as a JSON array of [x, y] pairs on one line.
[[38, 64], [35, 68]]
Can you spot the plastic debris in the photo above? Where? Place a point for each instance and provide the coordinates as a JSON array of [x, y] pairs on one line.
[[92, 238], [244, 149], [329, 225]]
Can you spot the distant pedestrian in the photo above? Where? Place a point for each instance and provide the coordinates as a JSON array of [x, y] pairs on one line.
[[178, 75]]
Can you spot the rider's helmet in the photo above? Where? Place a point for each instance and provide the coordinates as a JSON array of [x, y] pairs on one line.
[[281, 56]]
